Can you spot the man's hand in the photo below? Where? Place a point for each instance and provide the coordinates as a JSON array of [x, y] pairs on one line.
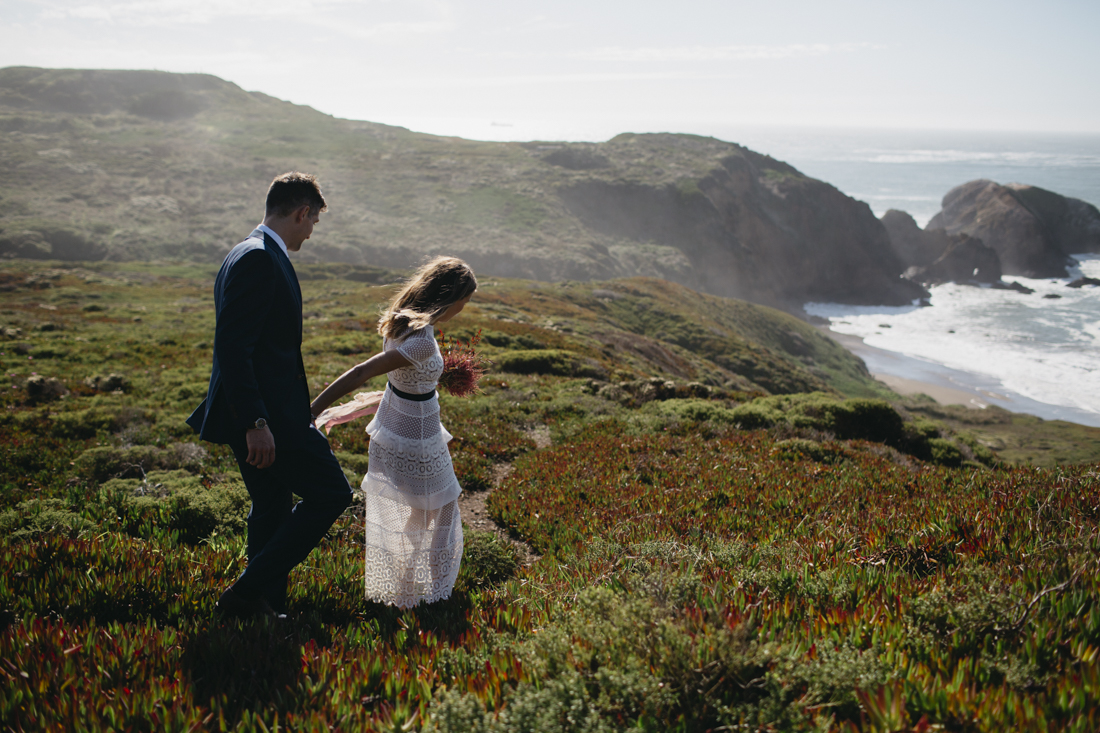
[[261, 447]]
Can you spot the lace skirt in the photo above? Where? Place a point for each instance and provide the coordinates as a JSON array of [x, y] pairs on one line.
[[413, 527]]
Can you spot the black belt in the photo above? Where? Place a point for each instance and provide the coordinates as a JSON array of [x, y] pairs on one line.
[[410, 396]]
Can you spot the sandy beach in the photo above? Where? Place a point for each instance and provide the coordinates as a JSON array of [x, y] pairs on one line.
[[943, 395], [907, 375]]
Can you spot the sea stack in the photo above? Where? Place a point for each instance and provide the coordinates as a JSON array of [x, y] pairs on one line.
[[933, 256], [1033, 231]]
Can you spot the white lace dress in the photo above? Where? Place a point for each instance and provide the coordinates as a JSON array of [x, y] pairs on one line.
[[414, 532]]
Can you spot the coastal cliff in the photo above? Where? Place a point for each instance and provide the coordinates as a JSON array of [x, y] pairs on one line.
[[140, 165], [750, 226]]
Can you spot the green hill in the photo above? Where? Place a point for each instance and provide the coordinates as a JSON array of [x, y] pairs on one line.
[[141, 165]]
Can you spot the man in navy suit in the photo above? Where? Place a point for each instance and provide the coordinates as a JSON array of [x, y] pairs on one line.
[[258, 401]]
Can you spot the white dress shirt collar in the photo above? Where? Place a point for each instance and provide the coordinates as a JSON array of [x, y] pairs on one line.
[[273, 235]]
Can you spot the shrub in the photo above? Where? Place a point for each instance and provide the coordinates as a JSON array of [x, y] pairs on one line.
[[547, 361], [754, 415], [41, 516], [509, 341], [617, 659], [922, 428], [633, 393], [357, 462], [194, 510], [487, 559], [105, 462], [945, 452], [109, 383], [693, 410], [45, 389], [981, 452], [858, 419], [800, 447], [87, 423], [833, 679]]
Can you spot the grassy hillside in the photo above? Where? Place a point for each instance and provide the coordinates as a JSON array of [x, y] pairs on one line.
[[97, 160], [136, 166], [734, 528]]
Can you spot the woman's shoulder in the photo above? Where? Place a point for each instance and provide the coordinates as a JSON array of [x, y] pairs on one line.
[[420, 341], [426, 332]]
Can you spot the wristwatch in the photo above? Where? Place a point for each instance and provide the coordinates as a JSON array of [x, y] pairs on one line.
[[260, 424]]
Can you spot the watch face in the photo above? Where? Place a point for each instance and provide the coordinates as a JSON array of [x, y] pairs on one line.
[[260, 423]]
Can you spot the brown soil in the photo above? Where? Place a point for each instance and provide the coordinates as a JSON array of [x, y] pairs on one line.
[[471, 504]]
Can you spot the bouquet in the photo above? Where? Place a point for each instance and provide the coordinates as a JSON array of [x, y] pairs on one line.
[[463, 367]]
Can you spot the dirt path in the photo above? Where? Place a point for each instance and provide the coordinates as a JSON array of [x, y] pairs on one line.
[[471, 504]]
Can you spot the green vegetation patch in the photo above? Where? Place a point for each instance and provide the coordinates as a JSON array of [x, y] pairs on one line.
[[192, 507], [106, 462], [1013, 437], [487, 559], [34, 517], [546, 361], [497, 206]]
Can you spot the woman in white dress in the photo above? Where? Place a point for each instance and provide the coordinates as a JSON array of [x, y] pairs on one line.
[[413, 529]]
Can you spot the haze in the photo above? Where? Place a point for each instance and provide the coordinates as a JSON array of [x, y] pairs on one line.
[[586, 70]]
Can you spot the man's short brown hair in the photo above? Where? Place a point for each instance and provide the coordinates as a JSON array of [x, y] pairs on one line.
[[291, 191]]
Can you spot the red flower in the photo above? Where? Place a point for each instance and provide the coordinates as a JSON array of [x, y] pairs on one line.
[[463, 367]]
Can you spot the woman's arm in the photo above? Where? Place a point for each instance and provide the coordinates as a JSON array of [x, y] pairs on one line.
[[353, 378]]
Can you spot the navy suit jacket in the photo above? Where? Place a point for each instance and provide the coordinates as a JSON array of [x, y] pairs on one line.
[[258, 370]]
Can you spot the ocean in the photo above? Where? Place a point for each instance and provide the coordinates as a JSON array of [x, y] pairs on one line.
[[1026, 353]]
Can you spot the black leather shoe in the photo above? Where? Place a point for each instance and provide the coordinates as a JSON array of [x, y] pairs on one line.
[[234, 605]]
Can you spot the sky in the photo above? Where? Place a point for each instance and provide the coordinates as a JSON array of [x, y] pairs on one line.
[[586, 69]]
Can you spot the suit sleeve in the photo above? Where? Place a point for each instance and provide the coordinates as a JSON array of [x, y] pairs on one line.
[[246, 301]]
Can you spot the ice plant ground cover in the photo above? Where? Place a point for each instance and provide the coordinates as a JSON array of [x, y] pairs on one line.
[[847, 564]]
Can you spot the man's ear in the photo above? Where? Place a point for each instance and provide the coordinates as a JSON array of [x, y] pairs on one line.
[[301, 213]]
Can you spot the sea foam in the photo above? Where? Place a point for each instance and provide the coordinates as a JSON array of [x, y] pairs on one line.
[[1046, 349]]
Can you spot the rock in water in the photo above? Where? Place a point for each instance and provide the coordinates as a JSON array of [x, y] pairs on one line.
[[1013, 286], [913, 246], [934, 256], [1082, 282], [965, 260], [1032, 230], [1073, 224]]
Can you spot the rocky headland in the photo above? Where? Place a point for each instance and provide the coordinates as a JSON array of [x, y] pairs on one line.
[[138, 165]]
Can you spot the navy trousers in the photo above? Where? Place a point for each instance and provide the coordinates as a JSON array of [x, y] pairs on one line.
[[280, 533]]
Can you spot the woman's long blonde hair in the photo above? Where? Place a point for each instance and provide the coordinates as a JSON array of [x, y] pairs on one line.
[[435, 287]]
